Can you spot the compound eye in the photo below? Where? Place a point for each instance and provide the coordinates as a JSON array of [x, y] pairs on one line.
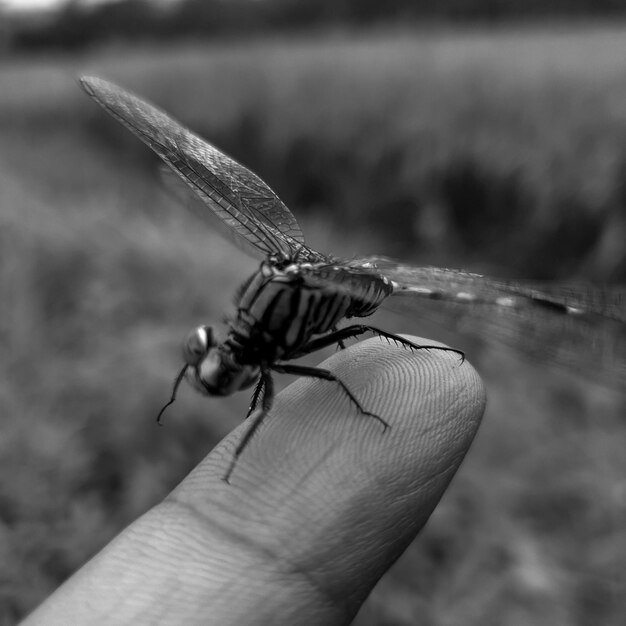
[[198, 344]]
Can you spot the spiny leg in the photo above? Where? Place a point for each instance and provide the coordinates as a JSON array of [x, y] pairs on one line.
[[318, 372], [258, 390], [256, 418], [359, 329], [340, 342], [398, 339]]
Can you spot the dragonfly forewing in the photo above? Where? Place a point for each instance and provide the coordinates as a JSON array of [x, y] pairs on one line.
[[254, 247], [237, 196]]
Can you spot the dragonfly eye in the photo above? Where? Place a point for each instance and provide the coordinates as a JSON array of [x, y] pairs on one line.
[[198, 344]]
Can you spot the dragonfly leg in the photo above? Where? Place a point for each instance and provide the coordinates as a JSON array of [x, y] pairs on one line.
[[258, 392], [177, 381], [359, 329], [398, 339], [318, 372], [255, 418], [340, 342]]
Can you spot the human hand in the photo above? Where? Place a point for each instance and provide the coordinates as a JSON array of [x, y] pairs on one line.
[[320, 504]]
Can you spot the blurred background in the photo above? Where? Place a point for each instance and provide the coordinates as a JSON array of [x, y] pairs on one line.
[[483, 134]]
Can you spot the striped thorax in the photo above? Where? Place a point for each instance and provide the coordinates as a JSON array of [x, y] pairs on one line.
[[280, 308]]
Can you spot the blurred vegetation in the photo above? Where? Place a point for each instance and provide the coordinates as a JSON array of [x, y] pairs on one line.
[[500, 150], [79, 24]]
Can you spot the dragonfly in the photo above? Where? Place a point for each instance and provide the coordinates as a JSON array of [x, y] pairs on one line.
[[293, 303]]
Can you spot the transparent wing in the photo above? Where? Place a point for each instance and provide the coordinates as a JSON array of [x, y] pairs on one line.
[[578, 326], [239, 198], [188, 198]]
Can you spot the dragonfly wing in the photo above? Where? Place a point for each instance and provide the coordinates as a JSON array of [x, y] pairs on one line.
[[233, 193], [186, 196], [577, 326]]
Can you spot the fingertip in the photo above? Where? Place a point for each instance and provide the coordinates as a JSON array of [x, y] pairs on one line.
[[431, 398], [413, 386]]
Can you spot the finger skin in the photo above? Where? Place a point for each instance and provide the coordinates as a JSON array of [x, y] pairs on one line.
[[320, 504]]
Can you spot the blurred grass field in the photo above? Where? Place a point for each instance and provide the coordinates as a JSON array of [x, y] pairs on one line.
[[500, 151]]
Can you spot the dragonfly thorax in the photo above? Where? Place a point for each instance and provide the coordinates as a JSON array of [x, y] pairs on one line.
[[282, 307]]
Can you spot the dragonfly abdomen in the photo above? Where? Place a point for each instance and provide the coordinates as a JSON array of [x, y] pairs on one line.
[[366, 290]]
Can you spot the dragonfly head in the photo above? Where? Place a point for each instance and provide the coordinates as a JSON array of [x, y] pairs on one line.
[[211, 369], [198, 343]]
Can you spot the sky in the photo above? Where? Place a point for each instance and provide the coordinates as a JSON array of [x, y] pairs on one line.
[[30, 4], [40, 4]]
